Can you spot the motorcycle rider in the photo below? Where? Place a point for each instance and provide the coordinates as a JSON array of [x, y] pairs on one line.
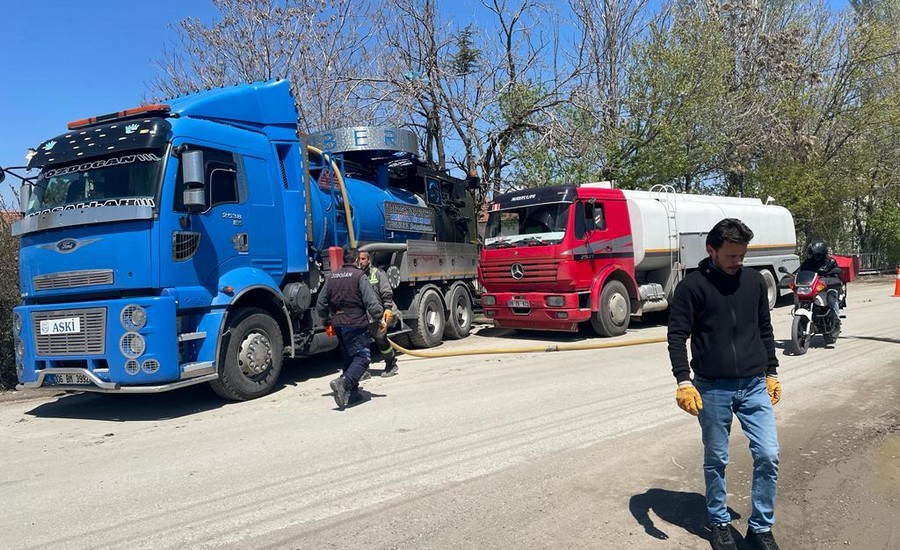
[[819, 260]]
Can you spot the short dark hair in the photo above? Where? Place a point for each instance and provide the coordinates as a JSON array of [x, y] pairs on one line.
[[351, 255], [732, 230]]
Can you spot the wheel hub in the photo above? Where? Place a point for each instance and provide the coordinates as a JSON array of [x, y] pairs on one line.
[[255, 355]]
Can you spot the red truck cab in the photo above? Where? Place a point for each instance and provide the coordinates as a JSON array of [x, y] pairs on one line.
[[554, 257]]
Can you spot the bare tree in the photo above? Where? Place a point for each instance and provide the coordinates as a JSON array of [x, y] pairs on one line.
[[319, 45]]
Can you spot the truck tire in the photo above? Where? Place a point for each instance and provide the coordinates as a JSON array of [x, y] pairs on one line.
[[771, 286], [614, 312], [428, 326], [460, 313], [252, 357]]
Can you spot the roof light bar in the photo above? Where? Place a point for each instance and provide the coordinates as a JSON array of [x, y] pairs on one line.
[[127, 113]]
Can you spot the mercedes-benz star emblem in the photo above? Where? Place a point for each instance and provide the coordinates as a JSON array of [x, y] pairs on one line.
[[517, 271]]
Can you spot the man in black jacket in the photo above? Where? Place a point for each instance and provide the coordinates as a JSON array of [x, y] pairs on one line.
[[724, 310], [343, 303]]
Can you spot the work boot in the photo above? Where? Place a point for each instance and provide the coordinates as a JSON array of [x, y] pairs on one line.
[[761, 541], [341, 394], [390, 369], [722, 539]]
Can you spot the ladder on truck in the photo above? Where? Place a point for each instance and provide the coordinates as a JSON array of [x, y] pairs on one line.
[[668, 197]]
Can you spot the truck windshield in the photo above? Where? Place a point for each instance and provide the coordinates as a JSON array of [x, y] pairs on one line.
[[528, 225], [121, 180]]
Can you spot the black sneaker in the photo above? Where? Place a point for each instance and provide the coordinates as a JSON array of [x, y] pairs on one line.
[[366, 375], [722, 539], [341, 395], [388, 372], [761, 541]]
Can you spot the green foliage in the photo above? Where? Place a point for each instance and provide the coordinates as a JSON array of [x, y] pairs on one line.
[[465, 60], [9, 298]]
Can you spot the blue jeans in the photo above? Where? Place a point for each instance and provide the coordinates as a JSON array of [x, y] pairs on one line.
[[748, 399], [355, 353]]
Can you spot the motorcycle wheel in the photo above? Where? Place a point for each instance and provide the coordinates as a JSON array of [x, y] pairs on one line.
[[800, 334]]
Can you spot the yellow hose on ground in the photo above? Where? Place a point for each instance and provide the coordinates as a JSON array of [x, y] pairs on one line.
[[531, 349], [334, 167]]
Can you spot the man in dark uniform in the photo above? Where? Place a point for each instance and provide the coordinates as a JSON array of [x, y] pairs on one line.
[[378, 327], [343, 303]]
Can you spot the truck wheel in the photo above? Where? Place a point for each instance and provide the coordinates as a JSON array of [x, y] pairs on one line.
[[428, 327], [771, 286], [253, 356], [459, 318], [614, 313]]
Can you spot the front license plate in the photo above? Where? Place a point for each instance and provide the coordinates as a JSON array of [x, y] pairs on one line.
[[71, 325], [518, 303], [72, 379]]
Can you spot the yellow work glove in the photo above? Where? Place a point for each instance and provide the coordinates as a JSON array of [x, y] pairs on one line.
[[774, 388], [688, 398], [385, 320]]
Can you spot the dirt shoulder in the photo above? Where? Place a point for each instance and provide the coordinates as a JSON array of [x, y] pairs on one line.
[[839, 484]]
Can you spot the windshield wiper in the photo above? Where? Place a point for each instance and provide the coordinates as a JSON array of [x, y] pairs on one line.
[[500, 243]]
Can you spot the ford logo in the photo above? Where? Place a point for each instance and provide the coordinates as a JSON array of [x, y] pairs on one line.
[[67, 245], [517, 271]]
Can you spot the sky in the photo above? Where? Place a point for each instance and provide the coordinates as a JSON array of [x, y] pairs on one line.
[[62, 60]]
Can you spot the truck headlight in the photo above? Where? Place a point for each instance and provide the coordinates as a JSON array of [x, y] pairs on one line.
[[150, 366], [488, 300], [132, 345], [133, 317], [132, 367], [17, 324], [20, 349]]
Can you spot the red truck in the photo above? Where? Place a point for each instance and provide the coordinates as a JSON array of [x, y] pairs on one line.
[[554, 257]]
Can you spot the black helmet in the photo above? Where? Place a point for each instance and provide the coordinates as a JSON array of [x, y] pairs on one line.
[[817, 249]]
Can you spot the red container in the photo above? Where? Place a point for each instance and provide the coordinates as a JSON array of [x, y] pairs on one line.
[[849, 267]]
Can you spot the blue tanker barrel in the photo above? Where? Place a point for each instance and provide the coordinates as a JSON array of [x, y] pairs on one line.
[[378, 168]]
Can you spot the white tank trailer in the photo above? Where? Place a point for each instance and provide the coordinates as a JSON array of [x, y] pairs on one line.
[[669, 233]]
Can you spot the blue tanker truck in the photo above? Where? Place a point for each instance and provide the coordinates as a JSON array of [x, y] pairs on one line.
[[185, 242]]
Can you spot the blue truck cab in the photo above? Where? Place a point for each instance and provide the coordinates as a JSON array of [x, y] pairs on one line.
[[185, 242]]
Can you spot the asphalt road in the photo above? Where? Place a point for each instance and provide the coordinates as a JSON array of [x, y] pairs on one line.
[[582, 449]]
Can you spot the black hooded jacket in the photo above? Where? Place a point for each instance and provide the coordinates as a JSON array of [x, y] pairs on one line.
[[727, 319]]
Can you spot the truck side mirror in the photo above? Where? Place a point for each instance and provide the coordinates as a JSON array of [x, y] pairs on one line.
[[24, 196], [192, 172]]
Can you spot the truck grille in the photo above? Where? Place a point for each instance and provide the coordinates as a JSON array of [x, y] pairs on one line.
[[90, 341], [532, 271], [70, 279]]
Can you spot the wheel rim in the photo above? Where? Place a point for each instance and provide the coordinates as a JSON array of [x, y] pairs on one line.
[[462, 312], [618, 309], [432, 319], [255, 356]]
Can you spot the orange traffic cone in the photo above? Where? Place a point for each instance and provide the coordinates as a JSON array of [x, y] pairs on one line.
[[897, 284]]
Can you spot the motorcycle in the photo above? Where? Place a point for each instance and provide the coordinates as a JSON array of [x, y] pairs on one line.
[[813, 312]]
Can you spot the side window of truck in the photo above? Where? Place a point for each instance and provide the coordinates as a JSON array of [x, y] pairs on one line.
[[589, 217], [221, 174]]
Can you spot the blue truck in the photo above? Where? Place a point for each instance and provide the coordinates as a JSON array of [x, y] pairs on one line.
[[185, 242]]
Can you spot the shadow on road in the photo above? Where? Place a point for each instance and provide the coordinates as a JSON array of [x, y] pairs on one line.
[[176, 403], [684, 510]]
